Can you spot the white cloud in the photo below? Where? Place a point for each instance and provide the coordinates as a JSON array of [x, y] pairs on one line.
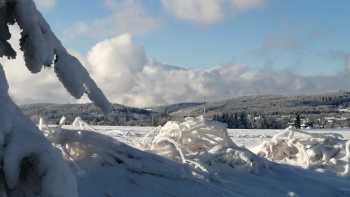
[[123, 70], [115, 63], [131, 16], [127, 16], [45, 4], [247, 4], [203, 11], [127, 76], [208, 11]]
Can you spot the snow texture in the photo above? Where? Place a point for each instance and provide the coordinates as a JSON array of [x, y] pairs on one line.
[[203, 144], [106, 167], [42, 48], [31, 166], [327, 151]]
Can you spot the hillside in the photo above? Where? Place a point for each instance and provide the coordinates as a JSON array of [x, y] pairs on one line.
[[88, 112], [270, 104], [310, 106]]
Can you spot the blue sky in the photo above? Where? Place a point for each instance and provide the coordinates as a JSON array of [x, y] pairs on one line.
[[297, 35], [216, 49]]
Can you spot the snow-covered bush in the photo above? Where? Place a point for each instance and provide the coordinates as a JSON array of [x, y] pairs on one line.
[[203, 144], [309, 150], [31, 166]]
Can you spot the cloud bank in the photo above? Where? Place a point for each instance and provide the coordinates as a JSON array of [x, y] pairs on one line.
[[128, 76]]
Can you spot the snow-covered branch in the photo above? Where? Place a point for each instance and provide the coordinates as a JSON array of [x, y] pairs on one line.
[[42, 48], [31, 166]]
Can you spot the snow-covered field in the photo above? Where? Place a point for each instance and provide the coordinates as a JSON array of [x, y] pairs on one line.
[[120, 170], [242, 137]]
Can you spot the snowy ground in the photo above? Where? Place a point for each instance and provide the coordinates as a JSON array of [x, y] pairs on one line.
[[242, 137], [253, 137], [142, 174]]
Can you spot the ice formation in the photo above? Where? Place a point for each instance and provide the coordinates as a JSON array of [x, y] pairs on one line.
[[203, 144], [322, 152]]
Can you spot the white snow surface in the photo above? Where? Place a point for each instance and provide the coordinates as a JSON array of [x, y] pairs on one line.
[[31, 166], [107, 162], [326, 151]]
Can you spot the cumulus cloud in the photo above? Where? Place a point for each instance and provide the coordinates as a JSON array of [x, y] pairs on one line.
[[128, 76], [45, 4], [116, 61], [208, 11], [123, 70], [126, 16]]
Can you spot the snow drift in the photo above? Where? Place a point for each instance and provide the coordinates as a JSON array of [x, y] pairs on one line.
[[106, 167], [328, 152], [121, 169]]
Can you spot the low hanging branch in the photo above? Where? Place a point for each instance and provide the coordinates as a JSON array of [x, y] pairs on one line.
[[42, 48], [32, 167]]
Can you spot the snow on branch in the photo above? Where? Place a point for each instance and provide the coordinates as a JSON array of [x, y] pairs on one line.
[[42, 48], [31, 166]]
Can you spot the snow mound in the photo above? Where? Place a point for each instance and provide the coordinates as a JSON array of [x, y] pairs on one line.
[[107, 167], [89, 150], [323, 152], [30, 166], [203, 144]]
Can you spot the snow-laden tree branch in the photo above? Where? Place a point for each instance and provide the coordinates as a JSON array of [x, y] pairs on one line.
[[31, 166], [42, 48]]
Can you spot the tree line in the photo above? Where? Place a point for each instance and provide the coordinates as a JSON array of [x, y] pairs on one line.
[[243, 120]]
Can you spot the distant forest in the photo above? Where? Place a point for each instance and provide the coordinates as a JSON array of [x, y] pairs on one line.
[[250, 112]]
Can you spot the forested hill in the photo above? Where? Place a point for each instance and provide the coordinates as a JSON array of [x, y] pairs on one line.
[[270, 104], [331, 104]]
